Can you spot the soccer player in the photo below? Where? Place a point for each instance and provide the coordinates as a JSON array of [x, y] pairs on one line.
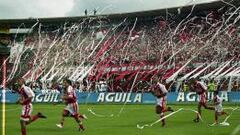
[[26, 101], [160, 92], [218, 106], [201, 89], [71, 109]]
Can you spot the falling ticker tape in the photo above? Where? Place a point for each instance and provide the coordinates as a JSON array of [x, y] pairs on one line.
[[150, 125]]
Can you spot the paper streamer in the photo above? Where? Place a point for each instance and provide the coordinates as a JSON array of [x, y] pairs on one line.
[[150, 125], [190, 73], [234, 109], [99, 115]]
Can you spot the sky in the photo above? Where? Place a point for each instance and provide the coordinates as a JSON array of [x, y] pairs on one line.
[[12, 9]]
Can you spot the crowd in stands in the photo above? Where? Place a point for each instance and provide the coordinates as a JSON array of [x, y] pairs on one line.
[[121, 51]]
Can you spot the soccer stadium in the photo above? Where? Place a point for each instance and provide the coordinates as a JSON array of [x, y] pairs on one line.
[[169, 70]]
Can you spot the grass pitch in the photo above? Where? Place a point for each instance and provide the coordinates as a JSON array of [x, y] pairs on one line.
[[126, 123]]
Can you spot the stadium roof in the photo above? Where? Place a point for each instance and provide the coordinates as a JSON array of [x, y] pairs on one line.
[[29, 22]]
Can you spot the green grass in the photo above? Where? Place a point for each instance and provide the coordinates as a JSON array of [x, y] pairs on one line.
[[1, 118], [179, 124]]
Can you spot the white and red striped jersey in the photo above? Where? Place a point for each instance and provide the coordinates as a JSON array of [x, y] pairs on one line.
[[71, 94], [201, 86], [201, 89], [162, 88], [26, 92]]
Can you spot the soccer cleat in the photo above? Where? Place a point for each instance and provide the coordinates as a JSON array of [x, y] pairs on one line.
[[196, 120], [163, 124], [81, 128], [40, 115], [170, 109], [59, 125]]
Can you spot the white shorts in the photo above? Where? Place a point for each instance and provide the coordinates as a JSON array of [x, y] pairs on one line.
[[218, 108], [161, 101], [72, 108], [26, 112]]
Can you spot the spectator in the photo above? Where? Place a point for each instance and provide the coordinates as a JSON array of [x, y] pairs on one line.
[[211, 86]]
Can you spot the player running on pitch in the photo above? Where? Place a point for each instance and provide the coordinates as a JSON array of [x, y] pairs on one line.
[[218, 107], [160, 92], [201, 89], [26, 101], [71, 109]]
